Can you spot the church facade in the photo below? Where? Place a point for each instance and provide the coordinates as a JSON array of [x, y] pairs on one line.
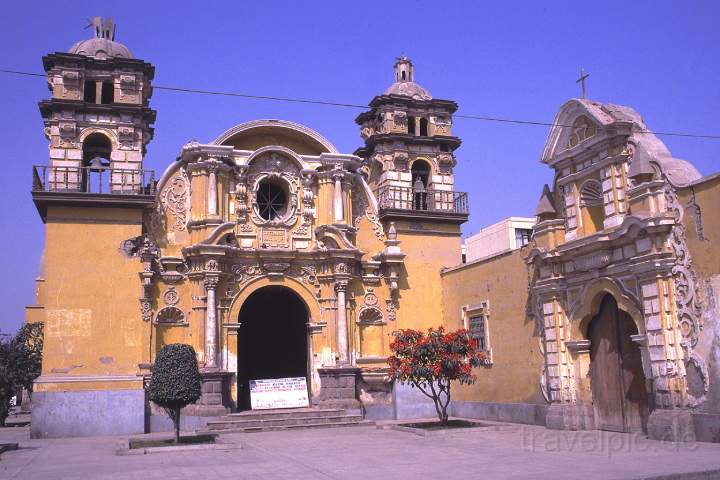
[[275, 256]]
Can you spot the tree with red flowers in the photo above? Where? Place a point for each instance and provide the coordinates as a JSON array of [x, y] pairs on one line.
[[432, 361]]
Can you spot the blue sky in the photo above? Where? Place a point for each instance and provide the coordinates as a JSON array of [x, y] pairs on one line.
[[506, 59]]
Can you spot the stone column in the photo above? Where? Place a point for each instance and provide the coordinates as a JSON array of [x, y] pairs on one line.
[[338, 199], [212, 191], [342, 328], [210, 323]]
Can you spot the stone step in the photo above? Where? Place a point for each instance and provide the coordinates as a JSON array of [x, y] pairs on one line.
[[287, 413], [233, 422], [292, 427]]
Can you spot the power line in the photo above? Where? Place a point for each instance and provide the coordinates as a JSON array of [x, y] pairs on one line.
[[352, 105]]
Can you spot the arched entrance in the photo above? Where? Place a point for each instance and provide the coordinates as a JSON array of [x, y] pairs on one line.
[[272, 338], [616, 374]]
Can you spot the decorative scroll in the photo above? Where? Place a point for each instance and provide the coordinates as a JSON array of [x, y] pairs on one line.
[[360, 207], [175, 198], [686, 297]]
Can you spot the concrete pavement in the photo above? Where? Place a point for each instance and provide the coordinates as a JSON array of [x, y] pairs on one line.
[[369, 453]]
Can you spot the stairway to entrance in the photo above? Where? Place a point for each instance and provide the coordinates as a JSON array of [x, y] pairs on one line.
[[286, 419]]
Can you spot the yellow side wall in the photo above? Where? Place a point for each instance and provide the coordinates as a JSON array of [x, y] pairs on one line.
[[92, 311], [702, 236], [420, 298], [517, 361]]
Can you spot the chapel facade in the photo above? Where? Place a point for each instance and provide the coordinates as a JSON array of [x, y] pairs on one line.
[[277, 256], [268, 250]]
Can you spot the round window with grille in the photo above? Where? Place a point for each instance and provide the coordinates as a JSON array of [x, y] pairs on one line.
[[272, 199]]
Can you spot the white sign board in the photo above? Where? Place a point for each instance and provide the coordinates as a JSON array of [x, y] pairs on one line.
[[279, 393]]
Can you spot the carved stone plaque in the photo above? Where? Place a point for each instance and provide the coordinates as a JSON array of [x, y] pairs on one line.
[[274, 237]]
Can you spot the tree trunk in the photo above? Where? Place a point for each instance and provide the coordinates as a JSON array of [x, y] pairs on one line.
[[444, 416], [176, 421], [4, 410]]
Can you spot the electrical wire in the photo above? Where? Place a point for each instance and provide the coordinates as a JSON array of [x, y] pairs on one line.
[[352, 105]]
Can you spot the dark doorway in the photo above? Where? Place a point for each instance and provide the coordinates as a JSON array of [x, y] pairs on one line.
[[616, 374], [272, 339]]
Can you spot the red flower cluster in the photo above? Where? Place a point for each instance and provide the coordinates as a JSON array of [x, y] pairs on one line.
[[432, 361]]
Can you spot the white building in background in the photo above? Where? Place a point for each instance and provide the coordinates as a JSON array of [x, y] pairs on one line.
[[503, 236]]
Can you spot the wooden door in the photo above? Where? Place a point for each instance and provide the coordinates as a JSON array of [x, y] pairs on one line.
[[605, 373], [634, 390], [616, 375]]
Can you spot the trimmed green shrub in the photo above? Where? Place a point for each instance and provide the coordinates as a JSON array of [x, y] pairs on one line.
[[175, 381]]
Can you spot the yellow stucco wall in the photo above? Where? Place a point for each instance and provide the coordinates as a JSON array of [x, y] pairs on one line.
[[704, 252], [92, 312], [428, 251], [514, 375]]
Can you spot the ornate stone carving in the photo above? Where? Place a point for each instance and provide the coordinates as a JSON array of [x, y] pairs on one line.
[[175, 198], [278, 167], [370, 298], [171, 296], [172, 269], [145, 309], [245, 272], [582, 129], [361, 206], [686, 298], [370, 315], [275, 267], [391, 309], [170, 315], [126, 138], [308, 273], [212, 265]]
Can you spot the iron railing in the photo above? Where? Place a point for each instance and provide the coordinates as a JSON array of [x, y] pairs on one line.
[[426, 199], [93, 180]]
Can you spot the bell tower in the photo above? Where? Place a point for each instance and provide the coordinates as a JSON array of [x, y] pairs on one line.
[[93, 196], [409, 159], [98, 120], [409, 149]]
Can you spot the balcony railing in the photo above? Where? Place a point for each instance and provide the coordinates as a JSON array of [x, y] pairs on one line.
[[93, 180], [426, 199]]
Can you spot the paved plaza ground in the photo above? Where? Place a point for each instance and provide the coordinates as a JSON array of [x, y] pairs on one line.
[[369, 453]]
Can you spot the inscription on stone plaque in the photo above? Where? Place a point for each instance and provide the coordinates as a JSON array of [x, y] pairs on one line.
[[274, 237], [279, 393]]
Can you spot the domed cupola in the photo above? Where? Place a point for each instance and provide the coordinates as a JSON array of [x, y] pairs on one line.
[[103, 44], [405, 81]]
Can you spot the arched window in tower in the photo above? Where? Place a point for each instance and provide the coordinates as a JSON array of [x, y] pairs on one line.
[[108, 93], [420, 172], [592, 206], [423, 127], [272, 200], [96, 163]]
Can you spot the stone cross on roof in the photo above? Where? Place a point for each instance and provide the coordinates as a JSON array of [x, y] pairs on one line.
[[581, 81]]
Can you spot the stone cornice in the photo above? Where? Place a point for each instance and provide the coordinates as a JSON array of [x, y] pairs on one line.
[[72, 60]]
